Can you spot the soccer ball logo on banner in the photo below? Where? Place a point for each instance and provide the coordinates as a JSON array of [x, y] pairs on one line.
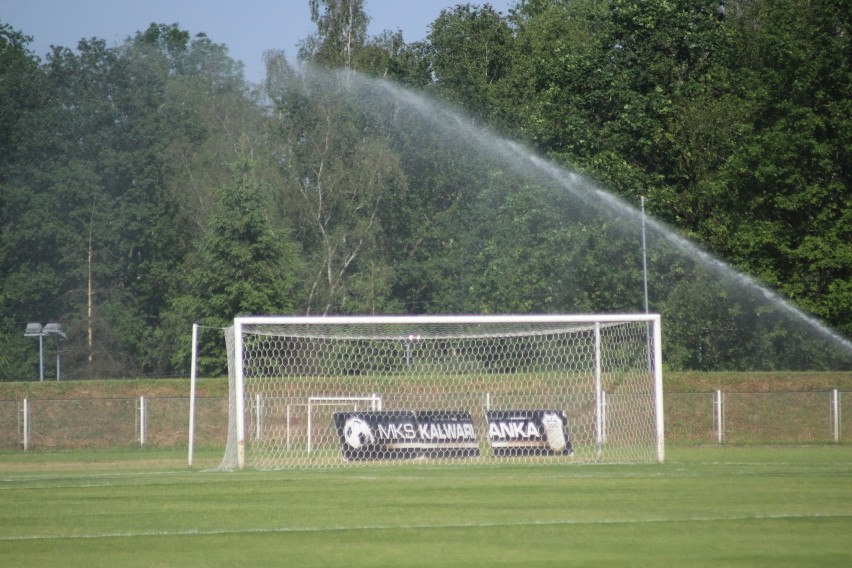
[[553, 430], [357, 433]]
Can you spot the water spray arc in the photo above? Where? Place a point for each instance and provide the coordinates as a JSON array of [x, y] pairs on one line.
[[531, 169], [621, 208]]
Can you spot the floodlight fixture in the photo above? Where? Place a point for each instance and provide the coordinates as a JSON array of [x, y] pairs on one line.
[[54, 329], [33, 330]]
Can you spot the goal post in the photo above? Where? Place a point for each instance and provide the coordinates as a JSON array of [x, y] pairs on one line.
[[205, 349], [347, 390]]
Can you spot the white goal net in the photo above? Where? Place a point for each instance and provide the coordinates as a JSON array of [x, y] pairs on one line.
[[334, 391]]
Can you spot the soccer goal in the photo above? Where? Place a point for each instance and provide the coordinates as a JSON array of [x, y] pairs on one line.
[[339, 391]]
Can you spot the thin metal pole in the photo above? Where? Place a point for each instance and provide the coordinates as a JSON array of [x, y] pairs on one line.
[[41, 357], [644, 255], [645, 281]]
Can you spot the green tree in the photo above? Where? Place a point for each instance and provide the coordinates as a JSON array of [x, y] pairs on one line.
[[341, 33], [471, 55], [389, 57], [788, 185], [25, 283], [683, 103], [102, 223], [242, 266], [338, 171]]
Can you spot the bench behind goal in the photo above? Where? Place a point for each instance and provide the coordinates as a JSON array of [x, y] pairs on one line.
[[339, 391]]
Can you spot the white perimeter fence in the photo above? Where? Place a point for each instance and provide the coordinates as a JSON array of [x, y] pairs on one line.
[[691, 418]]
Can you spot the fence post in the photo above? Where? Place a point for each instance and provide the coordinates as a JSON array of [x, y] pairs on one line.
[[288, 426], [258, 408], [25, 419], [719, 415], [835, 415], [141, 420]]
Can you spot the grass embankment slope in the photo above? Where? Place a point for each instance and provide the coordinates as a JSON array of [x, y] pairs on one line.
[[776, 381], [111, 388], [693, 381]]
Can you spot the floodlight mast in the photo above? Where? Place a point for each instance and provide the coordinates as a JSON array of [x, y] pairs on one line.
[[56, 330], [644, 256], [35, 329]]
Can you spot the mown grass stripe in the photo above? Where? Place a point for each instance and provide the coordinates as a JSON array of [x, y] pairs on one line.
[[417, 527]]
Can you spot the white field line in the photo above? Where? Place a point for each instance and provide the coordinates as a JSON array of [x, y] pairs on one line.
[[296, 530], [14, 481]]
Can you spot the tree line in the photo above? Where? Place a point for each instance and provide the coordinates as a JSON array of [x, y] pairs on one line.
[[148, 185]]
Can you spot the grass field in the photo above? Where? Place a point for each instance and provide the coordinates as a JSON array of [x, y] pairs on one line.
[[706, 506]]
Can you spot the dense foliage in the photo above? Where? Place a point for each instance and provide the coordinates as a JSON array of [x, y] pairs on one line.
[[148, 185]]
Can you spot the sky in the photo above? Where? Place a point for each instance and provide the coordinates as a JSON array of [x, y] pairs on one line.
[[246, 27]]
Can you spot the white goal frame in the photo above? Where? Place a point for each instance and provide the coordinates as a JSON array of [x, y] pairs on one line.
[[595, 322]]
